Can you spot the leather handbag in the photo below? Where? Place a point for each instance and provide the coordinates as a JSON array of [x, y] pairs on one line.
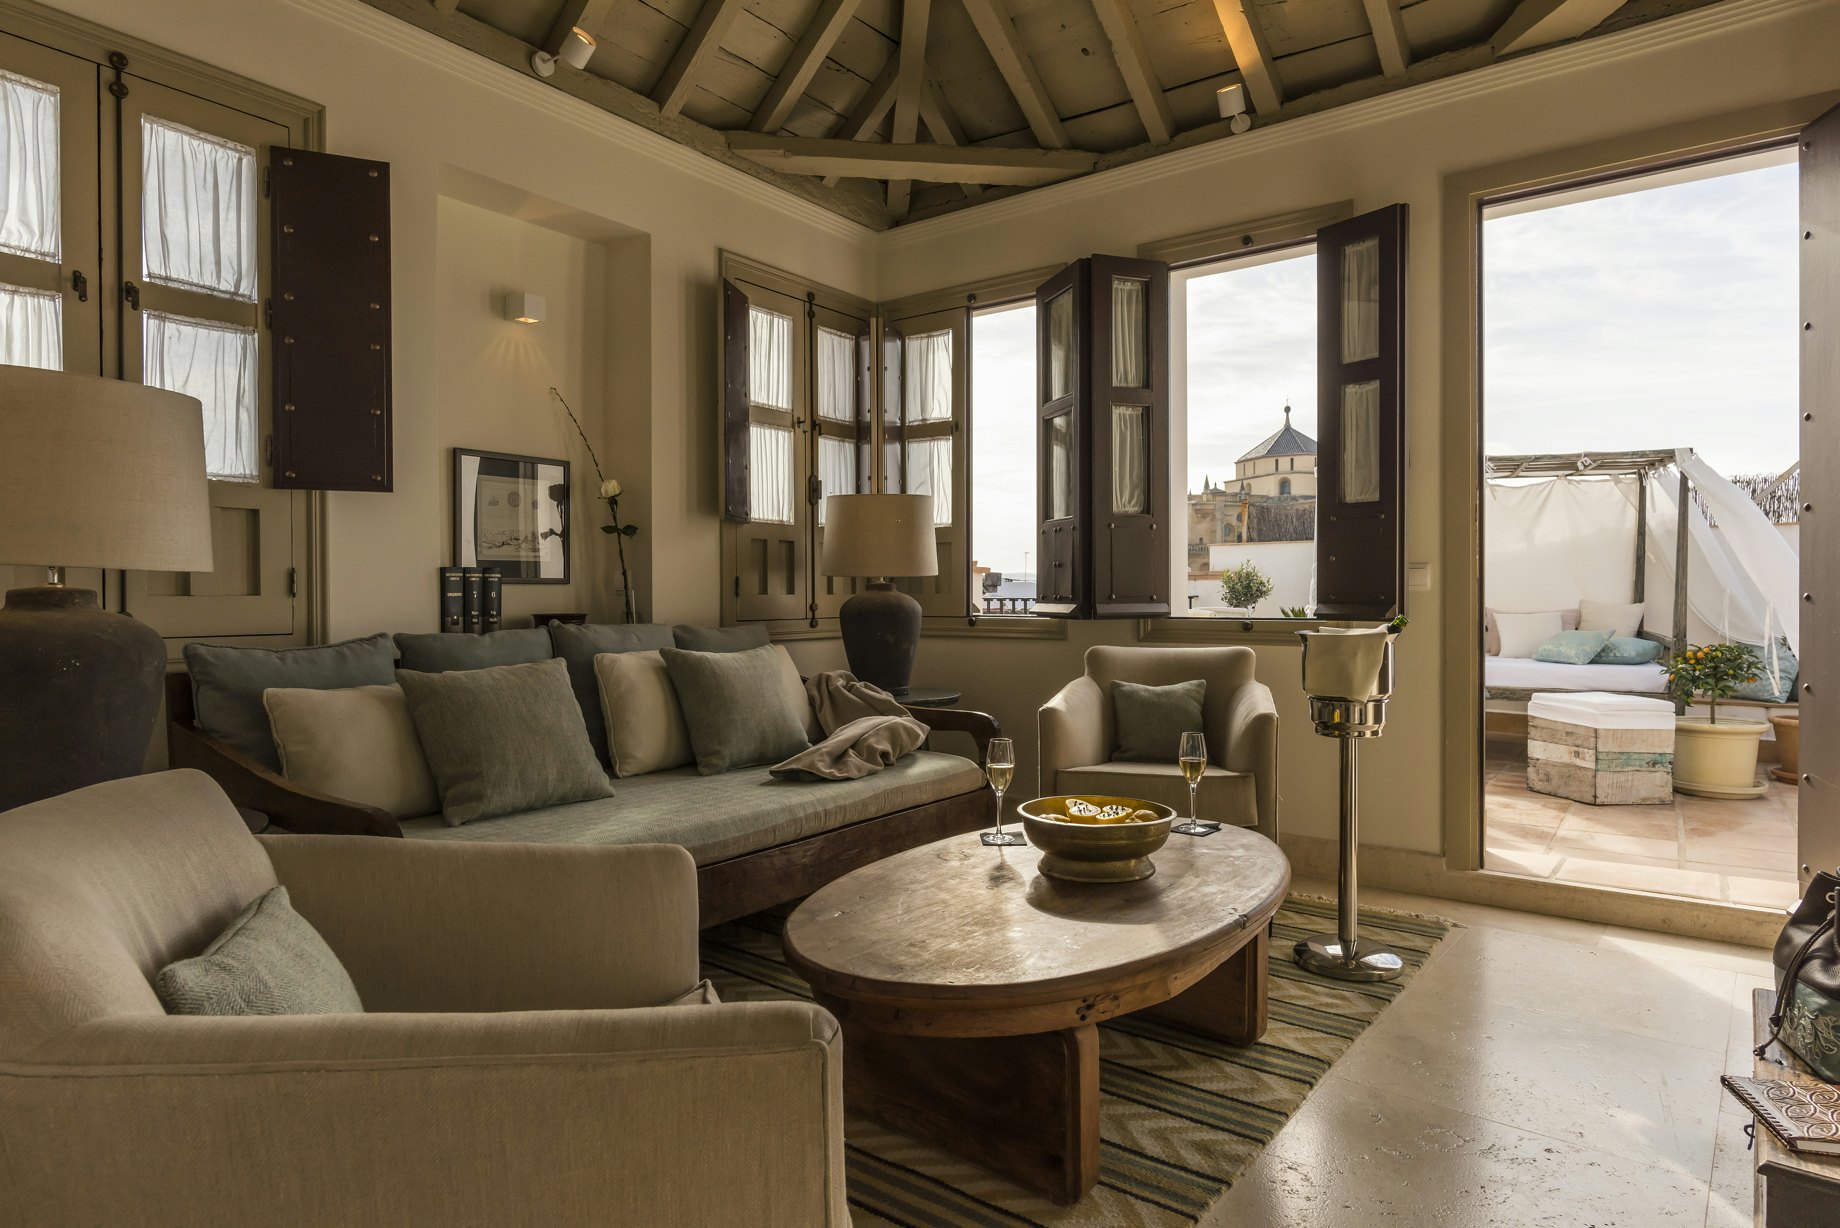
[[1806, 1018]]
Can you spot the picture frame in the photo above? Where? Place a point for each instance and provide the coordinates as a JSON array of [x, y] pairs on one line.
[[511, 512]]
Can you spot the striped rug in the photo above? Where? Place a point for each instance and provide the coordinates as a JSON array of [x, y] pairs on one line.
[[1181, 1116]]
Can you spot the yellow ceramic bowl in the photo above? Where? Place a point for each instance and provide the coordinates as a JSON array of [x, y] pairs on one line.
[[1095, 852]]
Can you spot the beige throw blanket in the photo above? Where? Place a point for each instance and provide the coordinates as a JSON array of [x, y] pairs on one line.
[[865, 730]]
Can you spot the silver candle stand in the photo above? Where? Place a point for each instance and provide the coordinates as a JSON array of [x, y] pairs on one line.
[[1344, 955]]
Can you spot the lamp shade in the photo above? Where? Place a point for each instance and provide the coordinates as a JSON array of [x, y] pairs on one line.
[[879, 535], [101, 473]]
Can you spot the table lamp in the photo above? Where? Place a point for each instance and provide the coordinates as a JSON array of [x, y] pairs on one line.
[[878, 537], [93, 473]]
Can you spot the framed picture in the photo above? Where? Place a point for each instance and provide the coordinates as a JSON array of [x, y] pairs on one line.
[[512, 513]]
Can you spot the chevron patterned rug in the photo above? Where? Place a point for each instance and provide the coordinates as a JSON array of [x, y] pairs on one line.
[[1181, 1116]]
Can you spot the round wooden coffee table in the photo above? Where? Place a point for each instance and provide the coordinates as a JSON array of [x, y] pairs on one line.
[[969, 985]]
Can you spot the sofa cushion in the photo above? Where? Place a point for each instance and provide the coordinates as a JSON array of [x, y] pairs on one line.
[[579, 643], [719, 639], [1151, 720], [1628, 650], [357, 743], [1772, 687], [269, 961], [1622, 619], [1572, 647], [1223, 797], [227, 684], [645, 725], [718, 817], [736, 706], [503, 740], [437, 652]]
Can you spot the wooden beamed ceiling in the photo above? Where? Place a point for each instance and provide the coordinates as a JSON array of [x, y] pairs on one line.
[[890, 110]]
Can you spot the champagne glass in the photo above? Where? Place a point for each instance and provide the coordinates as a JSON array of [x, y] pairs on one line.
[[1192, 755], [1000, 766]]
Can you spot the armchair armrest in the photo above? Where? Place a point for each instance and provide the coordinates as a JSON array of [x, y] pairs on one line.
[[250, 784], [1071, 727], [980, 725], [692, 1115], [440, 926], [1252, 747]]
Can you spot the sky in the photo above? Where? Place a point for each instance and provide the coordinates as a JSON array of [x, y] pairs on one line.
[[1003, 433]]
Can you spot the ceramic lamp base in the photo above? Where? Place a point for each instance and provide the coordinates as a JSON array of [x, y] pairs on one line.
[[881, 634]]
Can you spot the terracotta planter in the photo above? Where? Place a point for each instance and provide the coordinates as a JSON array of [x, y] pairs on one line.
[[1788, 748], [1717, 760]]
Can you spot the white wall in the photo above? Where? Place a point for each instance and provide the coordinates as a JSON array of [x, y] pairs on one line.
[[1288, 565]]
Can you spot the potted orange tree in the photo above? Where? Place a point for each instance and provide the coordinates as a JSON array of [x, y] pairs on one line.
[[1713, 757]]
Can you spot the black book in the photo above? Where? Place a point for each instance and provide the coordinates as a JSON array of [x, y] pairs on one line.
[[492, 595], [453, 599], [475, 602]]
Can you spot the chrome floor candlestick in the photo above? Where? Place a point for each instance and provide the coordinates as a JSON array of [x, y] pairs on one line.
[[1344, 955]]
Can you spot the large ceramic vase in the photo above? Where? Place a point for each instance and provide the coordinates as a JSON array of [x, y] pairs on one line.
[[1788, 730], [1717, 760]]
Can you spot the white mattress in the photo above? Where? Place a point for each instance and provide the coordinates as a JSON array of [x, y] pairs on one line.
[[1527, 674]]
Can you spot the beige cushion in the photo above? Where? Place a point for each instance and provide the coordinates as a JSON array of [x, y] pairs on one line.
[[1621, 619], [645, 725], [1522, 634], [1491, 631], [358, 744], [796, 694]]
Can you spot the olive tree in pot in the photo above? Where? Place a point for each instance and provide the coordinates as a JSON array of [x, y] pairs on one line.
[[1243, 587], [1713, 757]]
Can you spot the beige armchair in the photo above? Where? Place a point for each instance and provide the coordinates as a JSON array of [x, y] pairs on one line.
[[523, 1061], [1240, 786]]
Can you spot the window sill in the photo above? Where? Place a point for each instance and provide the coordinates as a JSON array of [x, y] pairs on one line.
[[1189, 630], [996, 626]]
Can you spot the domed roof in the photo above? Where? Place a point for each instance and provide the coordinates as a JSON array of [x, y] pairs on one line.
[[1287, 440]]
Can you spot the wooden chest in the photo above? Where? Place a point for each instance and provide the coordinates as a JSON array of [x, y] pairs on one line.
[[1605, 767]]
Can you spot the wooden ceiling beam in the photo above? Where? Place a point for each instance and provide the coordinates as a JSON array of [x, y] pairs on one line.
[[803, 64], [909, 85], [1389, 35], [1251, 54], [1537, 23], [701, 41], [999, 35], [445, 7], [573, 13], [943, 126], [1138, 72], [931, 163], [870, 110]]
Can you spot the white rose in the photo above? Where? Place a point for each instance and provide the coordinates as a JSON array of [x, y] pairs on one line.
[[610, 489]]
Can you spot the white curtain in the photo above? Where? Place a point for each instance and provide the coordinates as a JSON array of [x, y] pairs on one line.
[[1361, 300], [836, 375], [29, 183], [929, 472], [198, 197], [31, 328], [769, 358], [1130, 331], [1754, 545], [770, 473], [1060, 466], [928, 377], [1361, 442], [836, 469], [1060, 345], [1130, 459], [217, 364]]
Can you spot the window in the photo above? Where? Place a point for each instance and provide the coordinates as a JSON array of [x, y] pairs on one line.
[[1002, 459]]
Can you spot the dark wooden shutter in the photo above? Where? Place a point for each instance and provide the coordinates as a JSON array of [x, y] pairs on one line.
[[734, 403], [1060, 585], [894, 406], [1819, 688], [865, 413], [330, 321], [1360, 516], [1130, 544]]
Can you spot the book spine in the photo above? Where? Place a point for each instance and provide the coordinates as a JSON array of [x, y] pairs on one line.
[[492, 586], [475, 598], [453, 600]]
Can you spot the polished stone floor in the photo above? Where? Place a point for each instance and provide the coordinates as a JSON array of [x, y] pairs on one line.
[[1740, 852], [1539, 1072]]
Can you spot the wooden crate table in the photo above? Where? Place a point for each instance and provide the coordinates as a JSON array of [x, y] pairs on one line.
[[1601, 748]]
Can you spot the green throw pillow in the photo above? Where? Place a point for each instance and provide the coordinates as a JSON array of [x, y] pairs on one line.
[[1151, 720], [1572, 647], [503, 740], [270, 961], [1628, 650], [1772, 688], [736, 707], [437, 652], [227, 684], [579, 643], [719, 639]]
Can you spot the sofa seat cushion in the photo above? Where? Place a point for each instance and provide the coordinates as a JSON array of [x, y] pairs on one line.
[[723, 816], [1224, 797]]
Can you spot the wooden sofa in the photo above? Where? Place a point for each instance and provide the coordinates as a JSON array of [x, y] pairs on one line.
[[730, 888]]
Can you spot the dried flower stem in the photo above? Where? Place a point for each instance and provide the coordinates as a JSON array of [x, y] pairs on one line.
[[613, 506]]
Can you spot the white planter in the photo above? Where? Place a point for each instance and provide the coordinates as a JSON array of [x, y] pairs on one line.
[[1717, 760]]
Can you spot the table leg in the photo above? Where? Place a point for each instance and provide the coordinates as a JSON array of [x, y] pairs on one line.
[[1229, 1002], [1026, 1107]]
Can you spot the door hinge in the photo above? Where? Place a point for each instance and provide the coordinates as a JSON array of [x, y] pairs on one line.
[[293, 581], [737, 586], [268, 174], [132, 293], [814, 490], [80, 284], [268, 313]]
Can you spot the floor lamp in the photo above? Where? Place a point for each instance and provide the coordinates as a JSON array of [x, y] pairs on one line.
[[93, 473]]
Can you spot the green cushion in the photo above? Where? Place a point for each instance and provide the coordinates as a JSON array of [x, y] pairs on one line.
[[436, 653], [1152, 719], [227, 684], [1777, 688], [719, 639], [735, 706], [579, 643], [1628, 650], [270, 961], [1572, 647], [503, 740]]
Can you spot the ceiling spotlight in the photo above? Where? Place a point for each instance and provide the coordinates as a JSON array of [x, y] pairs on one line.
[[577, 49], [1231, 99], [523, 308]]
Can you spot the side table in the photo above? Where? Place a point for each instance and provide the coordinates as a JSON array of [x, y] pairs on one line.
[[930, 697]]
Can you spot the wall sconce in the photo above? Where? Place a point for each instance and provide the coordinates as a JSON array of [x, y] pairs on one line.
[[576, 50], [1231, 100], [523, 308]]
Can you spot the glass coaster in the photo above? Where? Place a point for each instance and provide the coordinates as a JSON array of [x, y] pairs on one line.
[[1003, 838], [1196, 829]]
